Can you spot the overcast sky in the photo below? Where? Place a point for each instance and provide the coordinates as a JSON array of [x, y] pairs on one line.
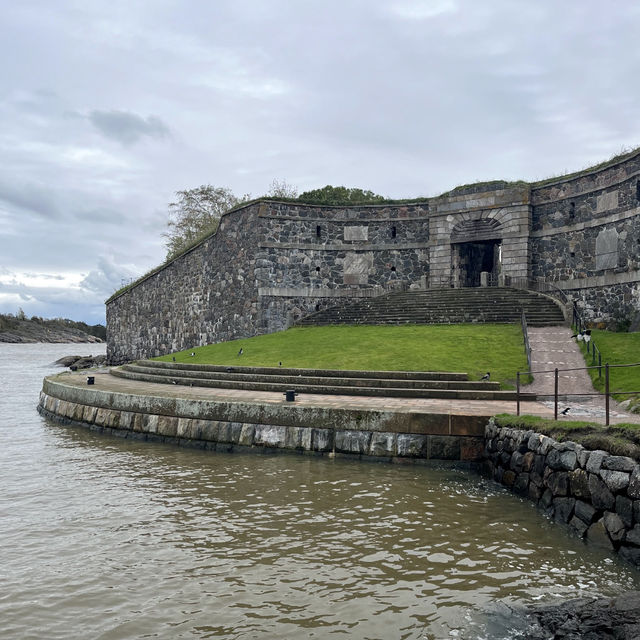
[[109, 107]]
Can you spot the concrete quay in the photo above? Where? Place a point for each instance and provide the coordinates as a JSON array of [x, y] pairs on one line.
[[392, 429]]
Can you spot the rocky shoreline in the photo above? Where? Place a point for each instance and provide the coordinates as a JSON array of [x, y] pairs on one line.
[[19, 330], [75, 363], [587, 619], [57, 337]]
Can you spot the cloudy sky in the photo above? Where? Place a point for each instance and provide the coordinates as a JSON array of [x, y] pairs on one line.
[[109, 107]]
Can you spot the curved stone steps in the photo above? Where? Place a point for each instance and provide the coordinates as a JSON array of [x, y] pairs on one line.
[[276, 376], [326, 389], [326, 373]]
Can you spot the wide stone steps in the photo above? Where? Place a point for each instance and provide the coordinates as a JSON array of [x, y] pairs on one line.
[[361, 383], [445, 306]]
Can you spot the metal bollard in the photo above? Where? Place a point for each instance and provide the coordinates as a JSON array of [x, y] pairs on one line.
[[290, 395]]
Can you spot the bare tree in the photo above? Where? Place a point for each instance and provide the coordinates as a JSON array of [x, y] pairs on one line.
[[282, 189], [196, 213]]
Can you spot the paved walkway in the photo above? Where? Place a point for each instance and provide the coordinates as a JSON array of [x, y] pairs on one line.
[[107, 382], [553, 347]]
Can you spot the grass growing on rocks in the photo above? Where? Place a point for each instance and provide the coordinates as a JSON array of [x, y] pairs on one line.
[[617, 348], [620, 439], [470, 348]]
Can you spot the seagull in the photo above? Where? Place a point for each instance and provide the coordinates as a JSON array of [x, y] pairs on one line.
[[240, 352], [486, 376], [193, 353], [565, 411]]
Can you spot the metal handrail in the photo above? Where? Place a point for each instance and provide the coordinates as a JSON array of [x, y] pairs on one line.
[[607, 390], [525, 333], [537, 284]]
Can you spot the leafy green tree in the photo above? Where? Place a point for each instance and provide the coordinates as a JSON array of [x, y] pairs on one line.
[[331, 195], [195, 213]]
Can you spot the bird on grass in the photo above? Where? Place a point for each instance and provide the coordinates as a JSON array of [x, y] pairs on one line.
[[240, 352], [193, 353], [565, 411], [486, 376], [279, 364]]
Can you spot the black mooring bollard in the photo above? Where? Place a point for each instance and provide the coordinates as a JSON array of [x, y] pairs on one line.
[[91, 380], [290, 395]]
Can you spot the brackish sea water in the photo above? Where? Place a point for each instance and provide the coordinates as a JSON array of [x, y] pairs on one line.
[[110, 538]]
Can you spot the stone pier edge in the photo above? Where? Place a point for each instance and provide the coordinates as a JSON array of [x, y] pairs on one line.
[[226, 426]]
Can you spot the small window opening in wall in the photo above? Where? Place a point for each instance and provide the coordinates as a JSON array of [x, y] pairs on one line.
[[394, 232], [317, 307], [393, 268], [318, 231], [638, 190], [317, 269], [572, 210], [573, 254]]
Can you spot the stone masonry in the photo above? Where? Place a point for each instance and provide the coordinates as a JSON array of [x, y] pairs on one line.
[[271, 263], [593, 492]]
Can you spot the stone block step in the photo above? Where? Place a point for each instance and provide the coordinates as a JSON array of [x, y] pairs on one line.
[[445, 306], [311, 379], [323, 389], [326, 373]]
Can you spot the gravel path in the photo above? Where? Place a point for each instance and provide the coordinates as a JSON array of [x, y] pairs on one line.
[[553, 347]]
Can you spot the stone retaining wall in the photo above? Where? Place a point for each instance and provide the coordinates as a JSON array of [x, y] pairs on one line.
[[227, 426], [593, 492]]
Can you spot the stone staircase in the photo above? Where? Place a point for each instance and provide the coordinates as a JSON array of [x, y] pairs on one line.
[[445, 306], [404, 384]]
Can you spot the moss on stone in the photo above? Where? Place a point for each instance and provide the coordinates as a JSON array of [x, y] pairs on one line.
[[619, 439]]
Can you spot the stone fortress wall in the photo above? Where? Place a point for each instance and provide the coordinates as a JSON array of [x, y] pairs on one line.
[[270, 263], [585, 237]]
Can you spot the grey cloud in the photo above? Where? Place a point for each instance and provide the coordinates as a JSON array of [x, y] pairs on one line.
[[31, 198], [106, 278], [127, 128], [44, 276]]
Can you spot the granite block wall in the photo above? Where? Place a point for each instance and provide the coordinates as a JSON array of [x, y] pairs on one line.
[[207, 295], [585, 237], [238, 435], [594, 493]]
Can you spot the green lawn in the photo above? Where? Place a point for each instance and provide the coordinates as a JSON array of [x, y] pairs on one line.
[[471, 348], [617, 348]]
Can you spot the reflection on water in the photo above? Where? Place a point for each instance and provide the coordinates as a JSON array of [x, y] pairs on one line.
[[112, 538]]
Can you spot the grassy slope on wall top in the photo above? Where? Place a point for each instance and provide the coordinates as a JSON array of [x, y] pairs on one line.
[[619, 439], [470, 348]]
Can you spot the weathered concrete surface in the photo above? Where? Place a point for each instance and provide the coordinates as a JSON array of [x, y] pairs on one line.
[[379, 427]]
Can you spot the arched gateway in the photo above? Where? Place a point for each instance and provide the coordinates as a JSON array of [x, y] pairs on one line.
[[476, 252]]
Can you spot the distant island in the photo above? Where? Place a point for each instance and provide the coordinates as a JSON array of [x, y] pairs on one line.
[[19, 328]]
